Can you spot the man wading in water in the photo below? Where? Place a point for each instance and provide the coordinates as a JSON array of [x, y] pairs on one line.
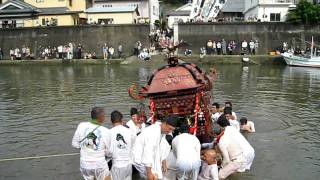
[[94, 141], [148, 147]]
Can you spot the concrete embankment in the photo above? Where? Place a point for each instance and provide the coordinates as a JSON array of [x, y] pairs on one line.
[[236, 59], [92, 37], [270, 36], [226, 59], [59, 61]]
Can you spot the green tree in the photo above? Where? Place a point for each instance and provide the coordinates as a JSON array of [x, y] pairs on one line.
[[305, 12]]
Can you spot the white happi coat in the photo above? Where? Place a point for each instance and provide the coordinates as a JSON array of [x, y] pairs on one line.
[[231, 150], [244, 144], [134, 129], [92, 156], [186, 148], [208, 172], [148, 150], [121, 146]]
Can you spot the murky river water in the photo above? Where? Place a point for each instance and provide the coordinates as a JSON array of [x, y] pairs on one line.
[[40, 107]]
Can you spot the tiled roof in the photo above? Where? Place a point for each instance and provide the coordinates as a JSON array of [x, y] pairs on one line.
[[55, 10]]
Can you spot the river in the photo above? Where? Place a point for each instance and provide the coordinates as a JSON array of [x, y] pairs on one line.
[[40, 107]]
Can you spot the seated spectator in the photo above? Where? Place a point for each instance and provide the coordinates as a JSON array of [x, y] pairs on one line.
[[188, 52]]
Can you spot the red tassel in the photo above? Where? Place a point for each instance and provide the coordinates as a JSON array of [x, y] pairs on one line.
[[196, 114], [152, 111]]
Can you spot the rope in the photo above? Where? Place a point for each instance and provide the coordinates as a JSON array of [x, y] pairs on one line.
[[38, 157]]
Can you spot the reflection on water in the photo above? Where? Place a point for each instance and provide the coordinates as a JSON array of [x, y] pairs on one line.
[[40, 107]]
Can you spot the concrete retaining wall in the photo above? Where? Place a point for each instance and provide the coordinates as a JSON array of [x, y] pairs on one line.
[[269, 35], [92, 37]]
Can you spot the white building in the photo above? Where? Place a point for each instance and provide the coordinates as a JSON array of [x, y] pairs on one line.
[[267, 10], [149, 10], [182, 14]]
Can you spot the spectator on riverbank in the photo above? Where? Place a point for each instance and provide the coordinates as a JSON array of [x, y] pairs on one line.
[[214, 47], [219, 48], [94, 56], [60, 51], [46, 53], [139, 46], [120, 51], [23, 52], [203, 52], [285, 47], [111, 52], [252, 47], [244, 47], [17, 54], [224, 47], [256, 46], [188, 52], [209, 47], [12, 54], [230, 48], [70, 51], [28, 53], [79, 51], [145, 55], [105, 49]]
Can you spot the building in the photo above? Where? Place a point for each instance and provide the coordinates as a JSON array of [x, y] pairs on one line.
[[112, 15], [316, 1], [31, 13], [232, 11], [149, 10], [182, 14], [267, 10]]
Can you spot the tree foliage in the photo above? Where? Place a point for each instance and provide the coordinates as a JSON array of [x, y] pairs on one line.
[[305, 13]]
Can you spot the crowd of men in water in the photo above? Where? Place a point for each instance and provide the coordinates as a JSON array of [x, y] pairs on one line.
[[163, 149]]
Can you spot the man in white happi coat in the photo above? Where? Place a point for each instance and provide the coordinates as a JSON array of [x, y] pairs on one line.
[[232, 154], [186, 148], [120, 148], [150, 147], [248, 150], [136, 125], [233, 122], [93, 140]]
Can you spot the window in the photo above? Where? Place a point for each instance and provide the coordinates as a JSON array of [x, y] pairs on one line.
[[107, 5], [275, 17], [53, 22]]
